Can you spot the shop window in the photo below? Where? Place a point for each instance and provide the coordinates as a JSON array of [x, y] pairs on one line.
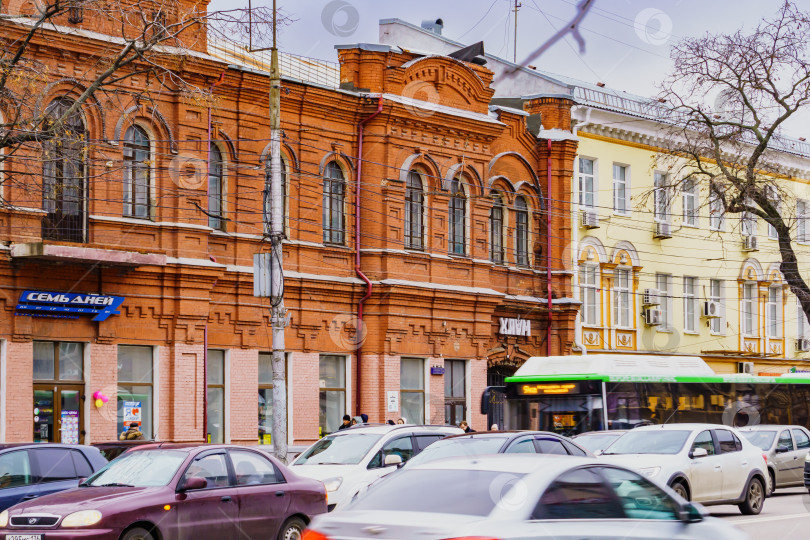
[[58, 361], [457, 218], [265, 398], [334, 200], [332, 398], [414, 211], [412, 389], [216, 188], [455, 391], [496, 229], [136, 173], [135, 380], [521, 232], [58, 386], [215, 388]]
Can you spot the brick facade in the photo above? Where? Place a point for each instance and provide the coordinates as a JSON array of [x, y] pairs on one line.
[[427, 302]]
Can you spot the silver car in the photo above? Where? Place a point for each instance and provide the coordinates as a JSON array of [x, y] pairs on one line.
[[519, 497], [785, 448]]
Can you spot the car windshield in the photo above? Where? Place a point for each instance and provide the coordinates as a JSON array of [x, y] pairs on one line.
[[344, 449], [463, 446], [147, 468], [596, 442], [763, 439], [447, 491], [649, 441]]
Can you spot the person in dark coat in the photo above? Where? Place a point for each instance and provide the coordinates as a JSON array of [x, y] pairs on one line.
[[364, 417], [467, 429], [347, 422]]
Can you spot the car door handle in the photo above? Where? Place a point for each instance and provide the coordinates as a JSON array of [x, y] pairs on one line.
[[226, 498], [29, 497], [717, 467], [279, 493], [744, 463]]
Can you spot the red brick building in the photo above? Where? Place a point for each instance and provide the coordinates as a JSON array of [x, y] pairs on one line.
[[453, 201]]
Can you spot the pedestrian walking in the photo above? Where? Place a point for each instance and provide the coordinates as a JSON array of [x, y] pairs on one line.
[[466, 427], [347, 422]]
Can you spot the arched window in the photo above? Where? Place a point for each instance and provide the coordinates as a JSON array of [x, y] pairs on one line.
[[268, 206], [334, 197], [457, 218], [521, 232], [414, 211], [63, 174], [216, 188], [496, 229], [136, 173]]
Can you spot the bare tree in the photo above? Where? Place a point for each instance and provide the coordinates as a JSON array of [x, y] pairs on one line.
[[727, 100]]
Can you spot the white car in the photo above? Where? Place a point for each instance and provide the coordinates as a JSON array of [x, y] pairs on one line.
[[519, 497], [706, 463], [349, 460]]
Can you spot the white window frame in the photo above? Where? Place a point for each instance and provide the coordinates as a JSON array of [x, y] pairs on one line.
[[748, 224], [749, 309], [717, 217], [717, 325], [583, 177], [690, 305], [622, 209], [773, 313], [622, 302], [801, 221], [691, 203], [661, 203], [663, 283], [802, 325], [590, 290], [773, 195]]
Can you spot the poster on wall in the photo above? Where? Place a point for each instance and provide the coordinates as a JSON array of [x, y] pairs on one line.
[[393, 401], [70, 427], [132, 413]]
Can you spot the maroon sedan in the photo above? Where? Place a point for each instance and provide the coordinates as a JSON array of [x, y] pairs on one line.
[[175, 491]]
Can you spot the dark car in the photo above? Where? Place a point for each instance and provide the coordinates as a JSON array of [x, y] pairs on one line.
[[598, 441], [113, 449], [499, 442], [172, 491], [28, 471]]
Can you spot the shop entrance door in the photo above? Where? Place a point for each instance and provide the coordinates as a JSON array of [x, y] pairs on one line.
[[58, 413]]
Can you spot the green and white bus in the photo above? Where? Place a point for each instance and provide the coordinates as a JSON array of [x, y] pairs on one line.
[[574, 394]]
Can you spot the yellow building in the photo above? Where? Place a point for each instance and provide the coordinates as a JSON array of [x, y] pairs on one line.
[[664, 272]]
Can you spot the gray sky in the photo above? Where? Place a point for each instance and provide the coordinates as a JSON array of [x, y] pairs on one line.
[[627, 41]]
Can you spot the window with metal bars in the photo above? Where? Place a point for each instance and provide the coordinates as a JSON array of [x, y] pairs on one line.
[[496, 229], [457, 217], [334, 198], [521, 232], [136, 173], [414, 211]]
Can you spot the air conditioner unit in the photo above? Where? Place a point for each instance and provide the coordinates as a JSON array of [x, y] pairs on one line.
[[590, 219], [650, 297], [745, 367], [711, 309], [662, 230], [652, 316], [750, 243], [803, 344]]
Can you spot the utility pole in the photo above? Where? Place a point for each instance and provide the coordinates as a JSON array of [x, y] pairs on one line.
[[518, 5], [278, 317]]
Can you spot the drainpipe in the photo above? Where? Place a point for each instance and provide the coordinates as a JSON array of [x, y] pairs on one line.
[[358, 271], [578, 345], [548, 247], [205, 384]]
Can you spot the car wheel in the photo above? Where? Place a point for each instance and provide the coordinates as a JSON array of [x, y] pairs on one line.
[[772, 480], [292, 529], [754, 497], [680, 488], [137, 534]]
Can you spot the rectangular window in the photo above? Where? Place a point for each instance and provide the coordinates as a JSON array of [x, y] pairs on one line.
[[690, 304], [332, 376], [748, 224], [749, 310], [412, 389], [135, 379], [689, 192], [801, 221], [663, 282], [215, 394], [802, 326], [717, 324], [773, 197], [716, 213], [587, 193], [455, 391], [774, 312], [620, 189], [589, 290], [661, 198], [265, 398], [58, 361], [621, 298]]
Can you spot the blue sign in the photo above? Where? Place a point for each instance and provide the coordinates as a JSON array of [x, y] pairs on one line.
[[436, 370], [46, 304]]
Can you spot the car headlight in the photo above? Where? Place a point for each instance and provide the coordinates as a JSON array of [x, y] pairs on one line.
[[4, 518], [332, 484], [649, 472], [83, 518]]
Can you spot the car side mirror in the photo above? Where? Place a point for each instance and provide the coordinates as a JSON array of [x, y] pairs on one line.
[[782, 449], [393, 459], [689, 513], [698, 453], [193, 483]]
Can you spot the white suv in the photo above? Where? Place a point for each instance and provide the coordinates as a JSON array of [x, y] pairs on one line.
[[349, 460], [706, 463]]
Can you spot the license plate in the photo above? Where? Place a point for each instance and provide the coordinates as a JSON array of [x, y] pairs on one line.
[[25, 537]]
